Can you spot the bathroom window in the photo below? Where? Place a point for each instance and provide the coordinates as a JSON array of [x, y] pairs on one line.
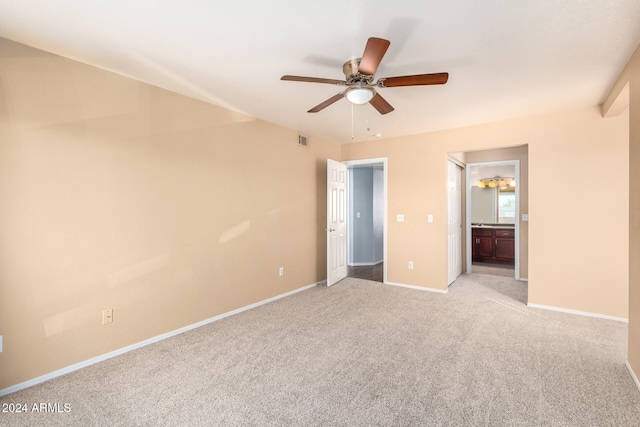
[[506, 208]]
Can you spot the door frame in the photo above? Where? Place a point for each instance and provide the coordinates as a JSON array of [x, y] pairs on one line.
[[468, 248], [371, 162]]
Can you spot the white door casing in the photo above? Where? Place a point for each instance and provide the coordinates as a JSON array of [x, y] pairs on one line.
[[454, 222], [336, 221]]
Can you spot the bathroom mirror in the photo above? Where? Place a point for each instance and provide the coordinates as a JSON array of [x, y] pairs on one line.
[[491, 202]]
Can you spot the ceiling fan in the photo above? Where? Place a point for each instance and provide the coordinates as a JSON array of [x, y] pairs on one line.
[[359, 74]]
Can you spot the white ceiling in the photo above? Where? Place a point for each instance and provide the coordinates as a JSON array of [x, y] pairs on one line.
[[505, 58]]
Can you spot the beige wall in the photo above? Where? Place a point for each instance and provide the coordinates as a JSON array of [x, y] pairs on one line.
[[625, 92], [577, 239], [634, 223], [634, 213], [521, 154], [116, 194]]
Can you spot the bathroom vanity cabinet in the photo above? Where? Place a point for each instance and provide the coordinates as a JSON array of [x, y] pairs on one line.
[[493, 244]]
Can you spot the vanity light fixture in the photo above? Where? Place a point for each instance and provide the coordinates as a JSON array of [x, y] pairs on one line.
[[497, 181]]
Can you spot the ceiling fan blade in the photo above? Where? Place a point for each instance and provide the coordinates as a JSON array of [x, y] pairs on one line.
[[416, 80], [312, 80], [373, 53], [326, 103], [381, 104]]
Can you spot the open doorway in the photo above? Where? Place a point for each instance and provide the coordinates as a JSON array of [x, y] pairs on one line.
[[366, 219], [492, 226]]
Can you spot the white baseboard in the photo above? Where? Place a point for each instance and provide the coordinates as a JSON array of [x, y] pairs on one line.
[[633, 374], [419, 288], [581, 313], [364, 264], [144, 343]]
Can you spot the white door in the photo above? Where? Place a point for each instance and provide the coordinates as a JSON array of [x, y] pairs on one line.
[[336, 222], [454, 223]]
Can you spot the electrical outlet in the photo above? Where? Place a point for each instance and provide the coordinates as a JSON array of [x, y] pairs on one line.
[[0, 343], [410, 265], [107, 316], [281, 271]]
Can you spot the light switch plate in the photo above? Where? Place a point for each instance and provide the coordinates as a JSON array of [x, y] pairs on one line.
[[0, 343], [525, 217], [400, 218], [429, 218]]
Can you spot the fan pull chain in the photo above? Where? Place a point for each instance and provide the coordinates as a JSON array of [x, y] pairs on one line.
[[352, 121]]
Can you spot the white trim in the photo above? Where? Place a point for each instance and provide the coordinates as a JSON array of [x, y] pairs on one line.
[[633, 374], [365, 264], [144, 343], [523, 279], [418, 288], [578, 312], [456, 161]]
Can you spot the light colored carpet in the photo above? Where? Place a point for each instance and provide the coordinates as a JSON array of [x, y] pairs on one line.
[[493, 269], [362, 354]]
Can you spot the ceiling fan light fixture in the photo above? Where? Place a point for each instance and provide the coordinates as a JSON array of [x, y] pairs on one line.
[[360, 95]]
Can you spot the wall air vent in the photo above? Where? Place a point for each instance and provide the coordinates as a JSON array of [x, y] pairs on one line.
[[302, 140]]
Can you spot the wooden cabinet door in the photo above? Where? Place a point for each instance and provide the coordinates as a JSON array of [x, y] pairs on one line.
[[482, 246], [505, 248], [485, 247]]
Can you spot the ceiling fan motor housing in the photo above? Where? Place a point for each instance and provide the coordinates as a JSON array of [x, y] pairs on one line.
[[352, 76]]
